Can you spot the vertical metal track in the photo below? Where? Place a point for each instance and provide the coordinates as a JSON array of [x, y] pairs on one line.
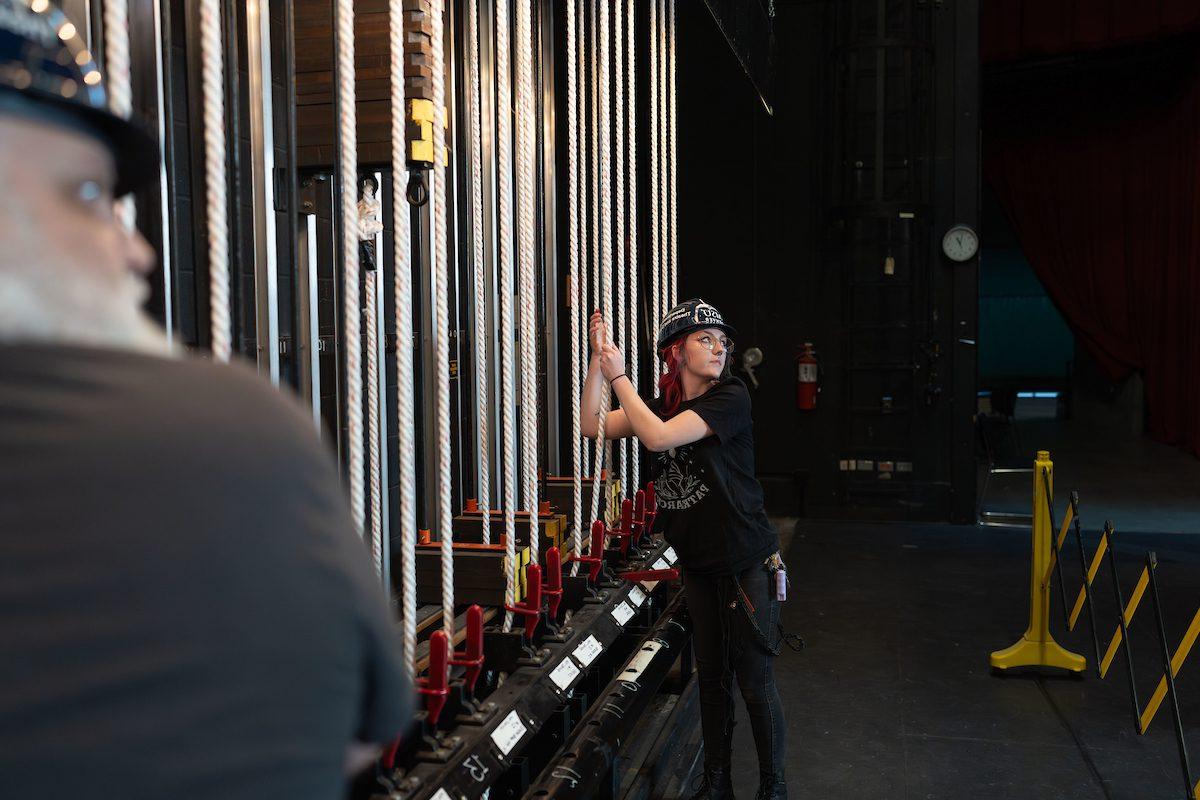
[[262, 180]]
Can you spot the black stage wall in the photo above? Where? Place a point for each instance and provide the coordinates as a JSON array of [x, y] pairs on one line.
[[785, 224]]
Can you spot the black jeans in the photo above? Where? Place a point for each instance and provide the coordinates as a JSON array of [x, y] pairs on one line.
[[726, 645]]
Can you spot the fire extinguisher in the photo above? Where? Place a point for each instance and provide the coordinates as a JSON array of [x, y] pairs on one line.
[[806, 378]]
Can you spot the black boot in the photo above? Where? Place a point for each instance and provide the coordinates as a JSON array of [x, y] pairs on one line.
[[717, 785], [771, 787]]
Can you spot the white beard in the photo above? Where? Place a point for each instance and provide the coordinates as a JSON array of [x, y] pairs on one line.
[[41, 305]]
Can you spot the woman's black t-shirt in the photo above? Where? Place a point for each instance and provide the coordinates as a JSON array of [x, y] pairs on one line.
[[710, 505]]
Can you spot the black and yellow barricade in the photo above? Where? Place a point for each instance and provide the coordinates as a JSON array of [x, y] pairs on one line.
[[1166, 684], [1036, 646]]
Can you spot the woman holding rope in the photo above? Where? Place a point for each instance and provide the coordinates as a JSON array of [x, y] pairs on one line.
[[700, 437]]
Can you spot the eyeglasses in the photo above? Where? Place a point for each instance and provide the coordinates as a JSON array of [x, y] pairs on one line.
[[709, 343]]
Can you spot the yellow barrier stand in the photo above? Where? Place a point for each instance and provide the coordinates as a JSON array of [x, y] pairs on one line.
[[1036, 647]]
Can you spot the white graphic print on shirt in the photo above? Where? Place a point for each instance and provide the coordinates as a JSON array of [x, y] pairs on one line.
[[678, 485]]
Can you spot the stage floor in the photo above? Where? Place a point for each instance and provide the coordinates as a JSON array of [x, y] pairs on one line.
[[894, 697]]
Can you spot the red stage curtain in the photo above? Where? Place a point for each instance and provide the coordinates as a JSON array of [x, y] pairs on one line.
[[1104, 195], [1019, 29]]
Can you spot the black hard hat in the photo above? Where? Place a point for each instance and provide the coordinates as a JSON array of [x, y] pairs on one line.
[[690, 315], [47, 74]]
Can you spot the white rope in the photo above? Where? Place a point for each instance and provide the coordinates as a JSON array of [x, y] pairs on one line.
[[574, 9], [526, 168], [482, 463], [373, 444], [661, 149], [633, 338], [215, 189], [598, 447], [655, 252], [585, 78], [441, 360], [619, 147], [118, 82], [351, 279], [402, 251], [508, 389], [606, 243], [673, 297]]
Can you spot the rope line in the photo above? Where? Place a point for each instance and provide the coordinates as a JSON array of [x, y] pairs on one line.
[[351, 278], [673, 296], [661, 176], [373, 443], [215, 179], [508, 388], [403, 289], [573, 15], [606, 244], [526, 167], [482, 462], [118, 81], [633, 338], [655, 251], [619, 149], [438, 210]]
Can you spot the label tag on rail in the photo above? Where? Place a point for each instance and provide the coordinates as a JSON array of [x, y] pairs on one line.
[[670, 554], [564, 674], [637, 596], [586, 652], [622, 613], [509, 732], [660, 564]]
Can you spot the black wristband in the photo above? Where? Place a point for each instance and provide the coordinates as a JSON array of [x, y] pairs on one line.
[[614, 380]]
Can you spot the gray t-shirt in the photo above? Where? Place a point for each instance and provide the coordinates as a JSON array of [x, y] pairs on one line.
[[185, 610]]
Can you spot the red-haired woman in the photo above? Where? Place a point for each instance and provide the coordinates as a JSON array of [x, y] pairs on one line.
[[700, 437]]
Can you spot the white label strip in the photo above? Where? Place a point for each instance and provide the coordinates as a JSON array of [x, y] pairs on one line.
[[441, 794], [670, 554], [586, 652], [637, 596], [622, 612], [660, 564], [637, 665], [564, 674], [509, 732]]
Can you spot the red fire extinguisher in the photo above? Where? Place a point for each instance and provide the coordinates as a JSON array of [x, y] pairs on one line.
[[806, 378]]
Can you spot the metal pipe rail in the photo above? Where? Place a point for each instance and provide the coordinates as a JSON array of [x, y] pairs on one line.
[[590, 752]]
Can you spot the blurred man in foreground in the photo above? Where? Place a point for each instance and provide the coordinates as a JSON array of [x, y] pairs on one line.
[[185, 609]]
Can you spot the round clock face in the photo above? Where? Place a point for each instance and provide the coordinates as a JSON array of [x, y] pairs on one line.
[[960, 243]]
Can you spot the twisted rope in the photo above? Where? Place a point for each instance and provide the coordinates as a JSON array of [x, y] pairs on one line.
[[403, 289], [673, 296], [118, 81], [606, 243], [482, 464], [437, 209], [351, 278], [661, 150], [215, 179], [508, 388], [655, 188], [574, 9], [630, 77], [526, 166], [373, 454], [619, 147]]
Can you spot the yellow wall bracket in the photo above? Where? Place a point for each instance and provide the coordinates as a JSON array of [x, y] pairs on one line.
[[420, 131], [1036, 647]]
